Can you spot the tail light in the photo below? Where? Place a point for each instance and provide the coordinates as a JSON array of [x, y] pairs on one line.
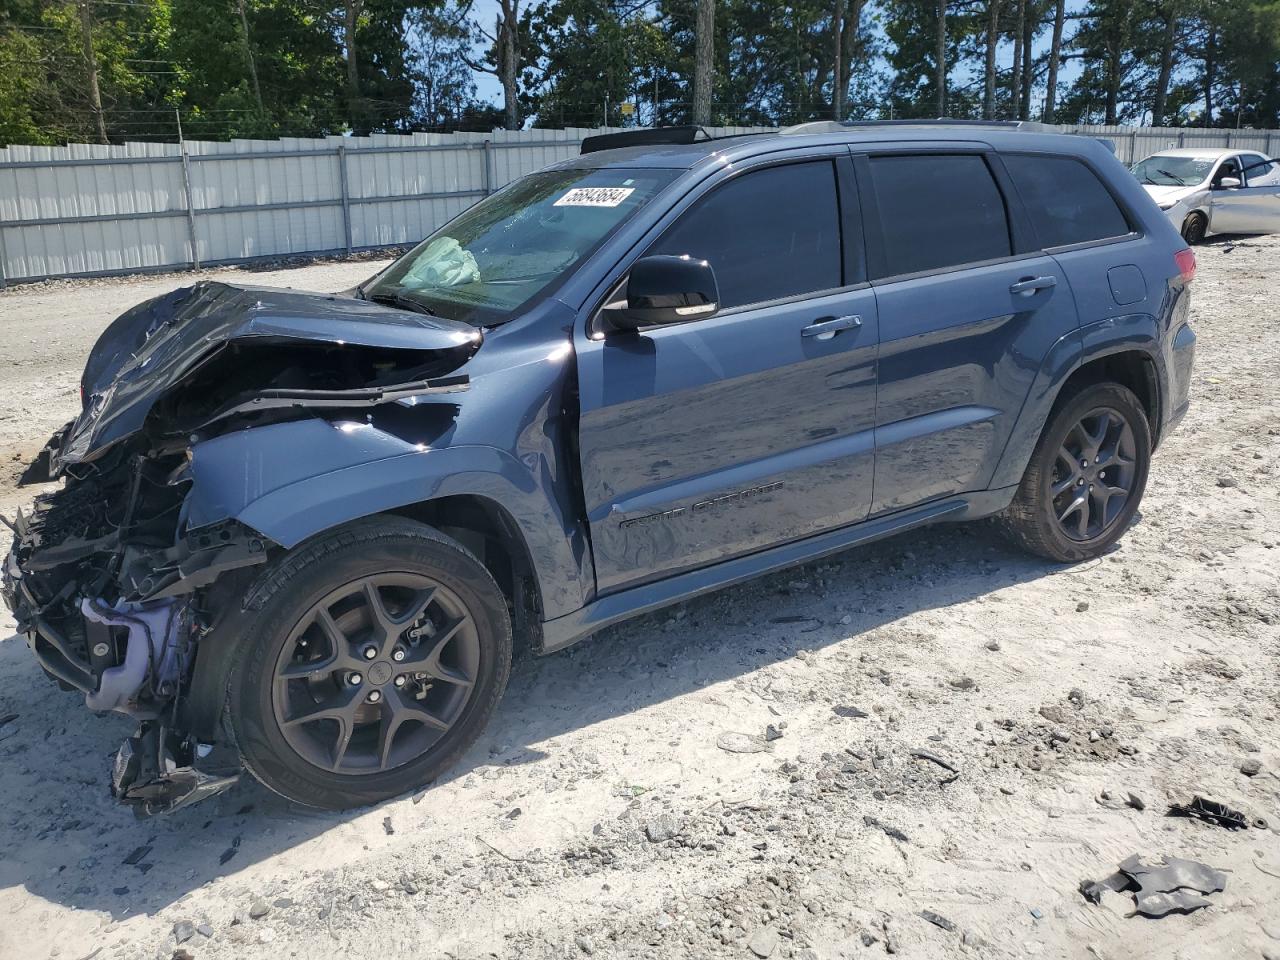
[[1185, 261]]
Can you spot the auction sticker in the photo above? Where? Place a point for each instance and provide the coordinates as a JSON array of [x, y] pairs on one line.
[[594, 197]]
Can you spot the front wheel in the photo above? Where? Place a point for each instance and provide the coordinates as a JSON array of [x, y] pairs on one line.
[[1194, 228], [377, 653], [1086, 476]]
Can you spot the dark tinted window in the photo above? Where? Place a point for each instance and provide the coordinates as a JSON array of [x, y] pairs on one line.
[[1066, 201], [768, 234], [938, 211]]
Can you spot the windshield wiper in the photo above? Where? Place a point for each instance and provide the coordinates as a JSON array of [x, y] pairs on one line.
[[404, 303], [1171, 176]]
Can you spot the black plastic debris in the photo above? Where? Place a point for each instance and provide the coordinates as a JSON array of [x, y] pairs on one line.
[[1176, 886], [938, 920], [1210, 811]]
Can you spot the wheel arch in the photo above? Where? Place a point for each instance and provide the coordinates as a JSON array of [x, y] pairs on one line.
[[1122, 350]]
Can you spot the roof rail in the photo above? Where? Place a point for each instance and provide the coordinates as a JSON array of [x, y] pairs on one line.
[[831, 126], [645, 137]]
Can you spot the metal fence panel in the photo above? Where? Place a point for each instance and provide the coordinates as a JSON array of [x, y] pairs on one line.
[[88, 209]]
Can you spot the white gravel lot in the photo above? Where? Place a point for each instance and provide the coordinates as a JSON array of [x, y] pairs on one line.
[[599, 817]]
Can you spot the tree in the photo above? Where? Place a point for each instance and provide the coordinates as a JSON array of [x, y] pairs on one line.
[[504, 59]]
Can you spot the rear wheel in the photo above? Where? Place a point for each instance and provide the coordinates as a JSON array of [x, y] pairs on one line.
[[377, 655], [1086, 476], [1194, 228]]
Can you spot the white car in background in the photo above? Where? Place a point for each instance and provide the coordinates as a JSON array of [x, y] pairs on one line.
[[1213, 190]]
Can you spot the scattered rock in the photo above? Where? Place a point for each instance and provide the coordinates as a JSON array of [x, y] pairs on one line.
[[182, 953], [963, 683], [184, 930], [1053, 713], [1227, 482], [1251, 766], [772, 732], [205, 930], [585, 945], [387, 826], [259, 909], [661, 828], [1076, 696], [763, 942], [1082, 606], [888, 830], [850, 712], [378, 885], [993, 645], [1135, 801]]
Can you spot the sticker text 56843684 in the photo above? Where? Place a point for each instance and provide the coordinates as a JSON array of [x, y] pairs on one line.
[[595, 197]]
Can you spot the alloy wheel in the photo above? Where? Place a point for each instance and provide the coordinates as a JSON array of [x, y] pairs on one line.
[[1093, 474], [375, 673]]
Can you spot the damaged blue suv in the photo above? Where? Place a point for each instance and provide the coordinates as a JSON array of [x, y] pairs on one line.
[[298, 532]]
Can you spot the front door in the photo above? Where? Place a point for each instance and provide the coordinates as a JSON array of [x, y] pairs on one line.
[[719, 437], [1252, 207]]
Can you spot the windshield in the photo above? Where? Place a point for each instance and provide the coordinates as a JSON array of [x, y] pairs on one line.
[[1165, 171], [497, 257]]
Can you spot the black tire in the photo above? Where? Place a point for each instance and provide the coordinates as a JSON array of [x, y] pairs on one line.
[[262, 689], [1194, 228], [1035, 521]]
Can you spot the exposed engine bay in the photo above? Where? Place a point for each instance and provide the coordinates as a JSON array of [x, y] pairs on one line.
[[109, 577]]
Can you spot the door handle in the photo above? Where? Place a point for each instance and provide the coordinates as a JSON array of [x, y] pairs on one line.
[[1028, 286], [828, 328]]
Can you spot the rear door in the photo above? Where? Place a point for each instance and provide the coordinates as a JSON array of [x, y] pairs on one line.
[[967, 310], [722, 436]]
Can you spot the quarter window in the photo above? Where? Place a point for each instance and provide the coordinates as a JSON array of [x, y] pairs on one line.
[[938, 211], [1065, 200], [768, 234]]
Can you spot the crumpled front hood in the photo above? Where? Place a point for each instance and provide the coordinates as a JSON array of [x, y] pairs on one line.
[[152, 347]]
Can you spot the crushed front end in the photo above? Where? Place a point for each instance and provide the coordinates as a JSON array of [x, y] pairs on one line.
[[111, 577], [107, 593]]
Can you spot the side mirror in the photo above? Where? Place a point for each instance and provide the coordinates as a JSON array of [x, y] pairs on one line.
[[1229, 183], [666, 289]]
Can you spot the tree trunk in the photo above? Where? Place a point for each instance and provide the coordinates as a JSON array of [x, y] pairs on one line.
[[704, 62], [1055, 60], [993, 38], [248, 55], [1166, 67], [1016, 83], [1028, 34], [355, 107], [91, 65], [940, 52], [1210, 68], [837, 65], [1114, 53], [509, 61]]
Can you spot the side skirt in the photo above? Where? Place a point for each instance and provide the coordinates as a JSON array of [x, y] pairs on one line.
[[569, 629]]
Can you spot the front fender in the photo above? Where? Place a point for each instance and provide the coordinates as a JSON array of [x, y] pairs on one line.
[[293, 480], [1126, 333]]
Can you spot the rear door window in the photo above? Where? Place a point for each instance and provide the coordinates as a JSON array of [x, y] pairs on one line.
[[1065, 200], [938, 211], [768, 234]]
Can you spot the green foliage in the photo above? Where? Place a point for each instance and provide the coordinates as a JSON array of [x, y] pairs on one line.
[[269, 68]]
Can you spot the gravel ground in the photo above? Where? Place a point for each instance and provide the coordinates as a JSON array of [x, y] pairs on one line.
[[610, 809]]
